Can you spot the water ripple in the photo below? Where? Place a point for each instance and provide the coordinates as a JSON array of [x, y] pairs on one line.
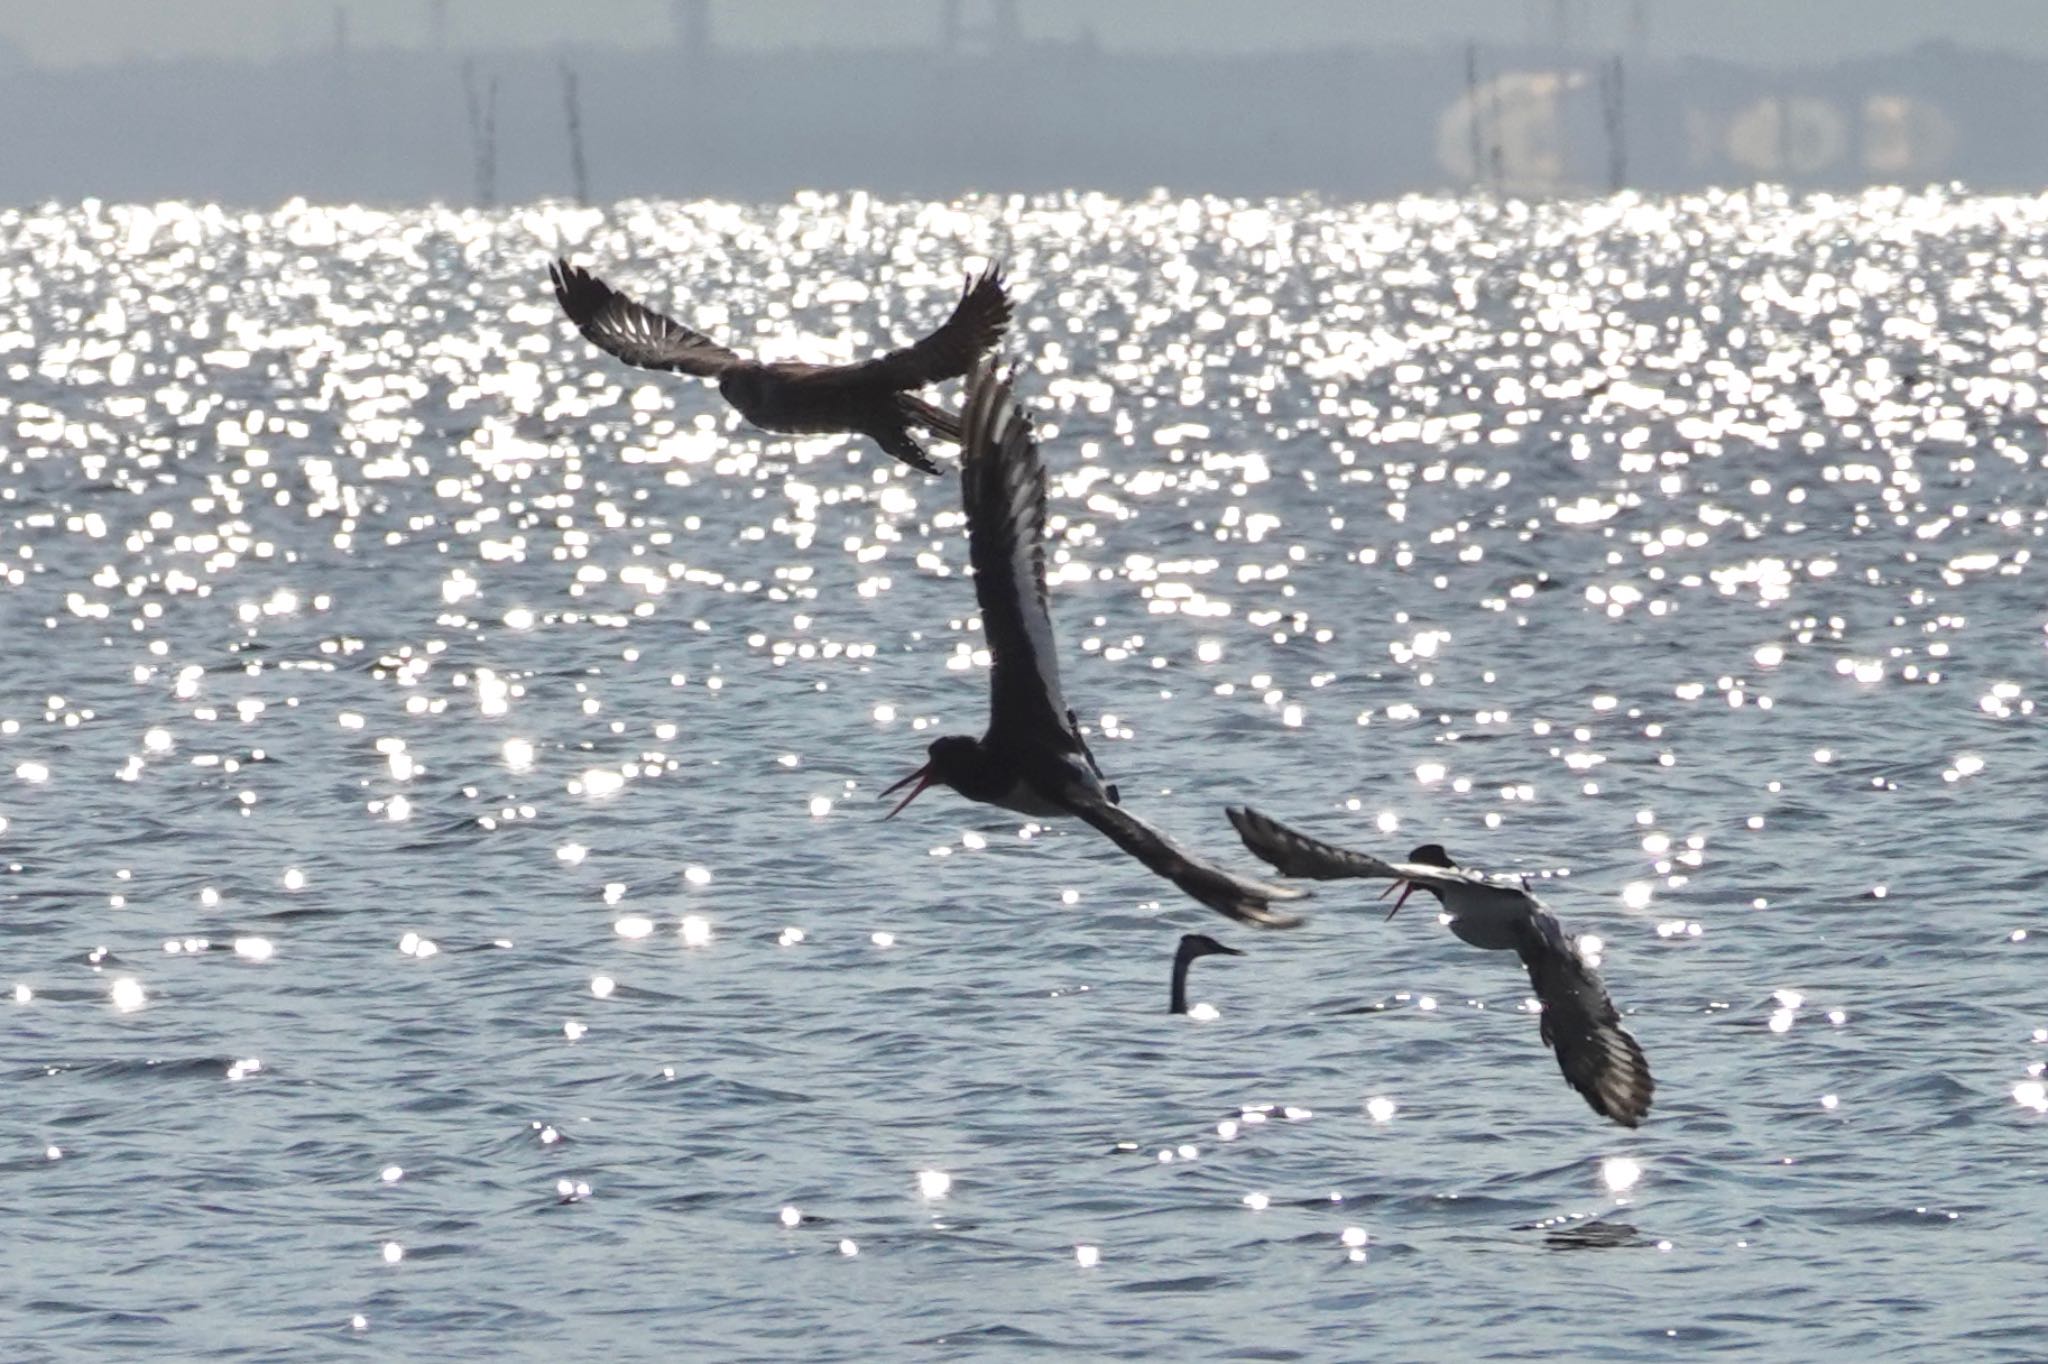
[[429, 747]]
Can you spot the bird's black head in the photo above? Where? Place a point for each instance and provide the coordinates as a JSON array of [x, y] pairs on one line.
[[1194, 945], [949, 760], [741, 386], [1428, 855], [952, 757]]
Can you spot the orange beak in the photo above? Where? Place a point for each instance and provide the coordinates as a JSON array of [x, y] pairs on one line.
[[1407, 888], [923, 777]]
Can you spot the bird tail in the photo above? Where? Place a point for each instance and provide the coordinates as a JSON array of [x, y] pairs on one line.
[[936, 420]]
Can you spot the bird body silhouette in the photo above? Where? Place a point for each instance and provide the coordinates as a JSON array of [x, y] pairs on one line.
[[1032, 758], [1599, 1057], [872, 398]]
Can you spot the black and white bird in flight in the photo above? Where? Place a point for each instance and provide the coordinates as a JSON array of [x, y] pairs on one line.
[[873, 398], [1192, 945], [1598, 1056], [1032, 759]]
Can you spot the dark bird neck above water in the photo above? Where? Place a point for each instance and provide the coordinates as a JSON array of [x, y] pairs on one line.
[[1192, 945]]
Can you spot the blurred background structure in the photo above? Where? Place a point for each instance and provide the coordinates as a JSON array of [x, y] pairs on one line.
[[405, 101]]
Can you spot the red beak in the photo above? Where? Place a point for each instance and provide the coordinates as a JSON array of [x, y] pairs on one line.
[[923, 777], [1407, 889]]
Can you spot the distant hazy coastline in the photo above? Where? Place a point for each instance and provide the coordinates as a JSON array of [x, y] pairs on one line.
[[398, 127]]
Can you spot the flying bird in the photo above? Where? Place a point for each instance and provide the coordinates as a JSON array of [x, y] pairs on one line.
[[872, 398], [1597, 1055], [1032, 759], [1192, 945]]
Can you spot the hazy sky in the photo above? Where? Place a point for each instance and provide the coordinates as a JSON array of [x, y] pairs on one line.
[[75, 32]]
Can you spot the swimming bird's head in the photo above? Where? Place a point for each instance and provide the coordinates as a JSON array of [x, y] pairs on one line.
[[946, 758], [1194, 945], [1428, 855]]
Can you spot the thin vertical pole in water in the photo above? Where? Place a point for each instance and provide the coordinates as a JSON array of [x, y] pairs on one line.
[[483, 133], [572, 111], [1495, 154], [1614, 112], [1782, 104], [1472, 109], [692, 21]]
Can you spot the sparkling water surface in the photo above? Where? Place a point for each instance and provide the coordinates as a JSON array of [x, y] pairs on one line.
[[446, 912]]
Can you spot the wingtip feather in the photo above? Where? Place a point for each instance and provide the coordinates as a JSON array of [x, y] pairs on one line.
[[1266, 838]]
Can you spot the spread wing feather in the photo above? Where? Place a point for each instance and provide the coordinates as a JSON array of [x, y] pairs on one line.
[[1293, 853], [1297, 855], [1597, 1055], [1003, 485], [976, 324], [633, 332], [1237, 897]]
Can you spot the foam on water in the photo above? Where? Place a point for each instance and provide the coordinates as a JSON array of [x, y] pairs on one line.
[[1677, 553]]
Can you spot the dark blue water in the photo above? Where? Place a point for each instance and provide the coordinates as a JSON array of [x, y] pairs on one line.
[[447, 913]]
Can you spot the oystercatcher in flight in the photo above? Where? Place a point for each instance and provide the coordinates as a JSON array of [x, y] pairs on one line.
[[1033, 759], [1597, 1055], [872, 398]]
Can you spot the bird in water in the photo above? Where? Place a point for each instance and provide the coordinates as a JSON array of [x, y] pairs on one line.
[[1032, 759], [1192, 945], [1597, 1055], [872, 398]]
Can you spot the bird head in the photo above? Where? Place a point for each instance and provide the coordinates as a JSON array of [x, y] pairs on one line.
[[1194, 945], [741, 386], [944, 760], [1428, 855]]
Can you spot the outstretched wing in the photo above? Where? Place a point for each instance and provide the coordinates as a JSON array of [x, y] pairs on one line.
[[1237, 897], [1293, 853], [634, 333], [976, 325], [1597, 1055], [1002, 483], [1296, 854]]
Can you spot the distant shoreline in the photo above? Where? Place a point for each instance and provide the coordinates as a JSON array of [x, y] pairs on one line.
[[401, 127]]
